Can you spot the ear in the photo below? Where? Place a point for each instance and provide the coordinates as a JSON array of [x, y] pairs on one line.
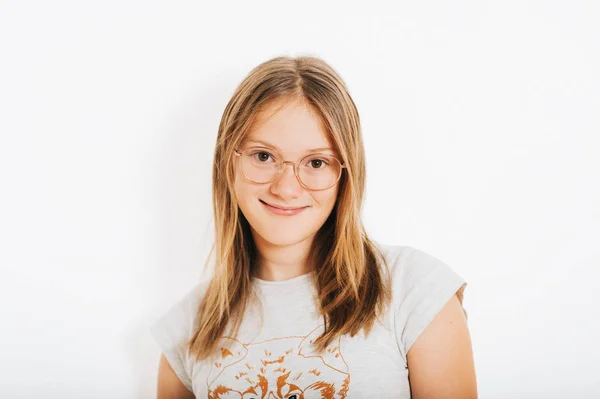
[[331, 356], [229, 351]]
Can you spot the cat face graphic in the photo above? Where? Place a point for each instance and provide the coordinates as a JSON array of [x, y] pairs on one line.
[[279, 368]]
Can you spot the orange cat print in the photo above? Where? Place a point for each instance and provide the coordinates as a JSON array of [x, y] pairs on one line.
[[279, 368]]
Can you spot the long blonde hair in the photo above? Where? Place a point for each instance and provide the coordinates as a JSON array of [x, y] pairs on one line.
[[353, 290]]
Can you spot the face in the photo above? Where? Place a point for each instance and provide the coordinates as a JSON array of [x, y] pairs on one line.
[[290, 132]]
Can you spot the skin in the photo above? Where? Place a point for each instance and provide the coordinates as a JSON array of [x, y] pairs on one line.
[[169, 385], [283, 242], [440, 361]]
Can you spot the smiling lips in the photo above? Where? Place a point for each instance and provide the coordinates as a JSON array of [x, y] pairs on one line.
[[283, 212]]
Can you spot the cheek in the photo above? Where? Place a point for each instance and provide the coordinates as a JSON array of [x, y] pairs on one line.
[[326, 200], [242, 188], [238, 187], [246, 195]]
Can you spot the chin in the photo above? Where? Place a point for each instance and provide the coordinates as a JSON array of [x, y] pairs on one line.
[[281, 240]]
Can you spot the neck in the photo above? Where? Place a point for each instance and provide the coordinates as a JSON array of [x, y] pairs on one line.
[[282, 262]]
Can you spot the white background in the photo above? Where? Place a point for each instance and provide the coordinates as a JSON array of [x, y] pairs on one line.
[[481, 128]]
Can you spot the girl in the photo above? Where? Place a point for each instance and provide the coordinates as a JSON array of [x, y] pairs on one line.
[[301, 303]]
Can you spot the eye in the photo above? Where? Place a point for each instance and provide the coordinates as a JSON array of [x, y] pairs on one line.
[[263, 156], [294, 396], [318, 163]]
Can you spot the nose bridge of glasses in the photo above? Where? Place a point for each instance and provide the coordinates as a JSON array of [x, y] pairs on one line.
[[291, 163], [282, 168], [283, 164]]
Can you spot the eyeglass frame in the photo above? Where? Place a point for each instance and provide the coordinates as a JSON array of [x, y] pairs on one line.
[[296, 165]]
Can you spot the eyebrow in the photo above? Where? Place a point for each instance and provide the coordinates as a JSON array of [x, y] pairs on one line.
[[278, 149]]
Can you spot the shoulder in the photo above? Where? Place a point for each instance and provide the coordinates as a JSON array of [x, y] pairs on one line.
[[397, 253], [174, 327], [414, 270], [408, 264], [176, 323], [189, 299], [421, 286]]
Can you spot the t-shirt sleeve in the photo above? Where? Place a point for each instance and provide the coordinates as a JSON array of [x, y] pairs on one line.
[[423, 286], [173, 329]]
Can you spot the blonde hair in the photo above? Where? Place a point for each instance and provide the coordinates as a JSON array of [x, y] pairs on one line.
[[353, 290]]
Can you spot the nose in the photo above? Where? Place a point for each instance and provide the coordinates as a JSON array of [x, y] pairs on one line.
[[287, 185]]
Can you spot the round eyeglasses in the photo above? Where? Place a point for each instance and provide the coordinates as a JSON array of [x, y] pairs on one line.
[[315, 171]]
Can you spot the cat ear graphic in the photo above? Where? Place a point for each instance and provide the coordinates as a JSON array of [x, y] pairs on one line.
[[229, 351], [331, 356]]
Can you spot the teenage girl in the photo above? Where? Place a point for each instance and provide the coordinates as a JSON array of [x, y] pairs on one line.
[[301, 303]]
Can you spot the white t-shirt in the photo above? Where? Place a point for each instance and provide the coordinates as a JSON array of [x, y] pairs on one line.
[[277, 360]]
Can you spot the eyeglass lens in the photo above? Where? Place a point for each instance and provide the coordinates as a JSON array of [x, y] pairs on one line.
[[316, 171]]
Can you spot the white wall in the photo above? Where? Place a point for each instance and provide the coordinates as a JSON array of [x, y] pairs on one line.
[[482, 134]]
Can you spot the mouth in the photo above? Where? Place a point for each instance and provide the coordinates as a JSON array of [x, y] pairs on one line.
[[283, 211]]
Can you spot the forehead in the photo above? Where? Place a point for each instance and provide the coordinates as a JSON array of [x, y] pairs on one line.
[[291, 127]]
